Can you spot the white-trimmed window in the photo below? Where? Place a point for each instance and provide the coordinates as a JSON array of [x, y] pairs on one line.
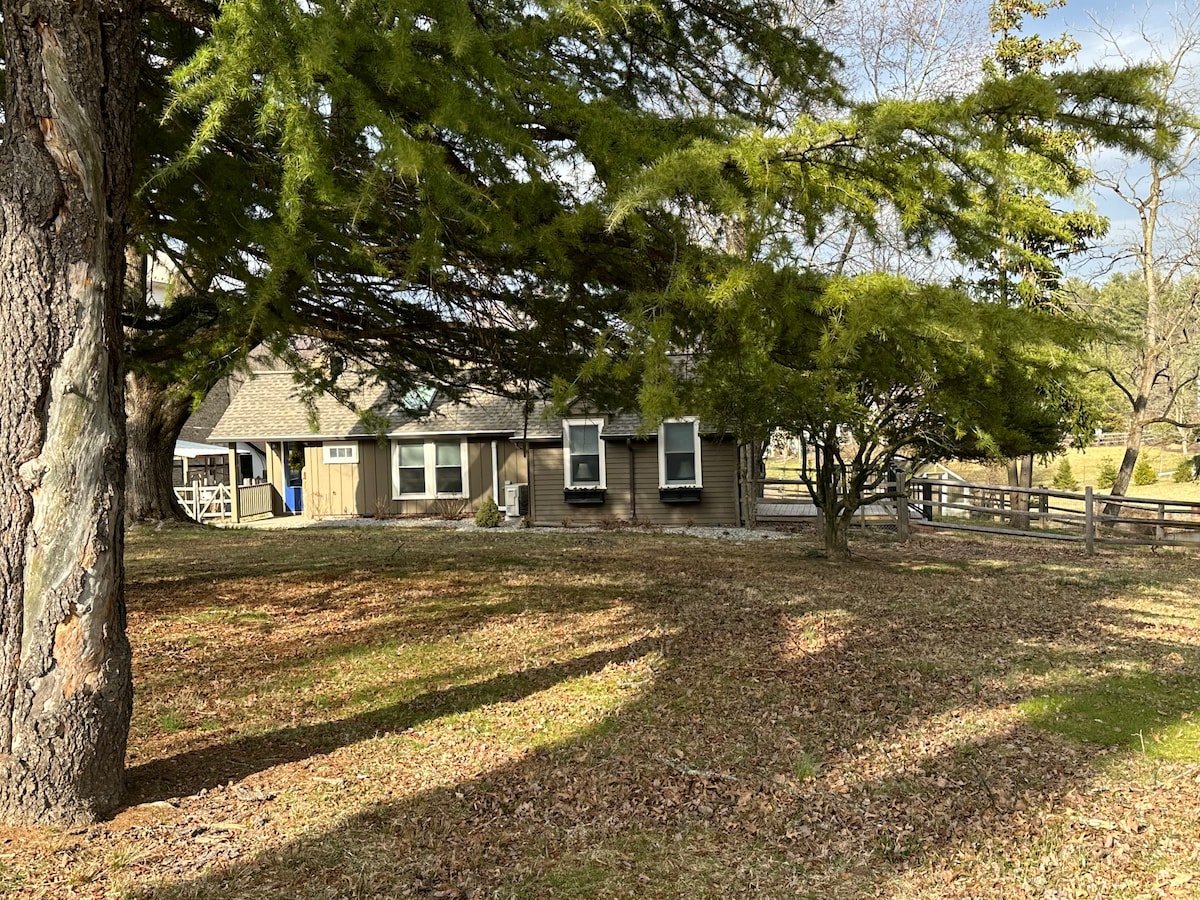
[[425, 470], [583, 454], [333, 454], [679, 453]]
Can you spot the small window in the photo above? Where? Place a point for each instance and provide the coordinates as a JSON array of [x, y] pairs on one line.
[[679, 454], [333, 454], [583, 450]]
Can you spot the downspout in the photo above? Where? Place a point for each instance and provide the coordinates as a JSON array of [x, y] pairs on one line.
[[632, 483], [528, 406], [495, 475]]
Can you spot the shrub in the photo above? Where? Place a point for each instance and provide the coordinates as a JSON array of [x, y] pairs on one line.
[[1108, 474], [1184, 472], [449, 508], [1143, 473], [1064, 478], [488, 515]]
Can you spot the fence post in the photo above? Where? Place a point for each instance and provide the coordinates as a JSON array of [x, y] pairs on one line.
[[1089, 521], [902, 506], [927, 499], [1160, 532]]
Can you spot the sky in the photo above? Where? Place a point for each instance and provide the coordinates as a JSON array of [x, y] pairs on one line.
[[1128, 25]]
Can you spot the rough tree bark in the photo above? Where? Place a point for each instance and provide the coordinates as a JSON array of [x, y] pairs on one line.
[[65, 177], [1020, 475], [154, 417]]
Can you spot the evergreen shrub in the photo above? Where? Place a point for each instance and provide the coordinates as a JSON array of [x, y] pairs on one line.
[[1064, 478], [488, 515], [1108, 474], [1143, 473]]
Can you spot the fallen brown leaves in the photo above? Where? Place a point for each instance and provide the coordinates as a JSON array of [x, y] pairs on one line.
[[630, 715]]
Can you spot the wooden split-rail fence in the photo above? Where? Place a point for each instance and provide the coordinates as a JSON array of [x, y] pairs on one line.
[[1089, 517]]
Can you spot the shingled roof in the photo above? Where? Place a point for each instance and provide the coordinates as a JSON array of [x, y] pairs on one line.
[[268, 408]]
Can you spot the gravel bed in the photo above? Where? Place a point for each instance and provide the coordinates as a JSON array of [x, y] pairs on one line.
[[714, 532]]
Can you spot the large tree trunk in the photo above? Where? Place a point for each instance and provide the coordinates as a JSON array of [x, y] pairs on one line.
[[1020, 475], [65, 173], [154, 417]]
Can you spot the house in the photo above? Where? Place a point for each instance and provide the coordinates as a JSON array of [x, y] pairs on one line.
[[196, 459], [323, 460]]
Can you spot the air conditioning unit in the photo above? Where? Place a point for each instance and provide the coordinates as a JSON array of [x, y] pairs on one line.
[[516, 500]]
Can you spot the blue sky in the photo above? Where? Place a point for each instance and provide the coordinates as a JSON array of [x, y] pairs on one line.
[[1125, 22]]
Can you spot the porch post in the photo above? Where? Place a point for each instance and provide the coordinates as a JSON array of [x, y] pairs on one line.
[[235, 510]]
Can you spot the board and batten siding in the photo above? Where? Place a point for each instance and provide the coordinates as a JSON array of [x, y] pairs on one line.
[[718, 504], [365, 488], [274, 472]]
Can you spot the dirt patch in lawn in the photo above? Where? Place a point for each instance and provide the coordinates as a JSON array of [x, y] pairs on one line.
[[362, 713]]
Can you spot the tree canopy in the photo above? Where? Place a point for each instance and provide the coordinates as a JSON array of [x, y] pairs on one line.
[[877, 365]]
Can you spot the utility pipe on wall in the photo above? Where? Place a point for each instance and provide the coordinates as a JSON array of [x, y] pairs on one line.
[[495, 475], [632, 482]]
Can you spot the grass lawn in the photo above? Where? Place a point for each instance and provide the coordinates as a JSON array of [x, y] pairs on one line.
[[338, 713]]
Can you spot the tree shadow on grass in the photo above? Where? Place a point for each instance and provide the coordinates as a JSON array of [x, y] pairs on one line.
[[207, 767], [328, 557], [819, 741], [360, 627]]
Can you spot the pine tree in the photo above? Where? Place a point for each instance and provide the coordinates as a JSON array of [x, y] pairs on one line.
[[1184, 472], [1064, 478], [785, 337], [1108, 474], [408, 202], [65, 185], [1143, 473], [417, 185]]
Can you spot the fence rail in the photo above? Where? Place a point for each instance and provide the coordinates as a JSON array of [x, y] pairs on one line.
[[1056, 515], [950, 503], [205, 501]]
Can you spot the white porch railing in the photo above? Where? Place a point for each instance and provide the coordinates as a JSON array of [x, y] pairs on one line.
[[205, 501]]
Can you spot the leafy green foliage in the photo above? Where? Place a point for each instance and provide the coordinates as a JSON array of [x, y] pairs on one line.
[[1064, 478], [1143, 473], [1184, 472], [438, 166], [488, 515]]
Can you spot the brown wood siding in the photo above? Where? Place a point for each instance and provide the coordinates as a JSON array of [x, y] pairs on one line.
[[331, 490], [718, 504], [368, 492], [512, 466], [275, 476], [375, 463]]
